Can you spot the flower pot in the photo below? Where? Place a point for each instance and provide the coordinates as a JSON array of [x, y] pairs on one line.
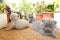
[[3, 20], [39, 16], [48, 15]]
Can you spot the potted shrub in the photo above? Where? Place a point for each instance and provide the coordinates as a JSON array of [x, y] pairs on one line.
[[39, 8], [3, 16], [49, 10], [45, 10]]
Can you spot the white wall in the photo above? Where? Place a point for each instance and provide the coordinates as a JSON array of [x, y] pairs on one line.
[[57, 18], [3, 20]]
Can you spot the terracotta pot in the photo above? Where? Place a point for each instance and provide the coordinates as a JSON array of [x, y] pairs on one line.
[[48, 15], [44, 15], [39, 16]]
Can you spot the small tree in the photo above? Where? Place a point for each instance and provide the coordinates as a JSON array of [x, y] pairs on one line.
[[40, 7], [14, 7], [25, 7]]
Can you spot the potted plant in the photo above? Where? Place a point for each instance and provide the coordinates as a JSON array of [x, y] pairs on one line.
[[46, 11], [25, 8], [39, 8], [3, 16], [49, 11]]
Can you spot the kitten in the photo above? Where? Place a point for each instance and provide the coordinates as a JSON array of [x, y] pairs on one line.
[[17, 23], [45, 27]]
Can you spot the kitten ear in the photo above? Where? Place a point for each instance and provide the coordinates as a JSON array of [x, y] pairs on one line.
[[55, 22], [42, 20]]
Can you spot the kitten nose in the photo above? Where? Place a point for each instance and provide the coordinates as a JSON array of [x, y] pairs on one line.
[[48, 30], [18, 16]]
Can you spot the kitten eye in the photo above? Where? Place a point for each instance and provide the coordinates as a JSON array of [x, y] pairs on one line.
[[17, 16], [46, 26], [50, 27], [42, 20]]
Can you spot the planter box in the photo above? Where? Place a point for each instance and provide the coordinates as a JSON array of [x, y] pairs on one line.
[[3, 20], [48, 15], [44, 15]]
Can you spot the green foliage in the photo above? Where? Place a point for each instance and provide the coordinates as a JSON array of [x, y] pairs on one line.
[[37, 7], [49, 8], [40, 7], [25, 7], [56, 5], [2, 7], [14, 8]]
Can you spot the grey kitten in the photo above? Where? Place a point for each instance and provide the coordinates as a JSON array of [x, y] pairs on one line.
[[30, 18], [45, 27]]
